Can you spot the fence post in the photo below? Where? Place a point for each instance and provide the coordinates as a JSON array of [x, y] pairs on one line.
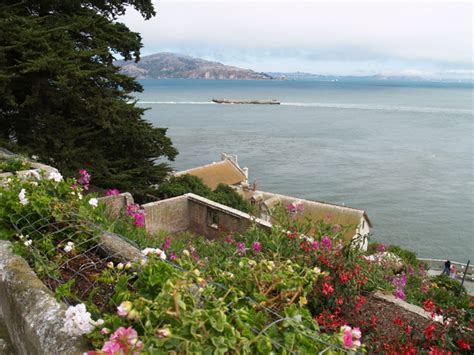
[[464, 276]]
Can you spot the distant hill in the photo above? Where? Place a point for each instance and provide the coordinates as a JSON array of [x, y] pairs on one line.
[[177, 66]]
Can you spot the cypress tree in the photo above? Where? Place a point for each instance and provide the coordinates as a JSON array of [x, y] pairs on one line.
[[62, 98]]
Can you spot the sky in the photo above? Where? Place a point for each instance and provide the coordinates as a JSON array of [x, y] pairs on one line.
[[340, 37]]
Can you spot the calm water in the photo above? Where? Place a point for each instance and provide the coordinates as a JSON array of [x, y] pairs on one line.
[[401, 151]]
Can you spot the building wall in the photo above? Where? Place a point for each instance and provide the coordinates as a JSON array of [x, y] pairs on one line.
[[171, 215], [315, 211], [212, 221]]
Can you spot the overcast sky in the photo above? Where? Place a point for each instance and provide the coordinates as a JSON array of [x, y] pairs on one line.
[[338, 37]]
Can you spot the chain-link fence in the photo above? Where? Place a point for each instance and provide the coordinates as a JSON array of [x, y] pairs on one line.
[[69, 257]]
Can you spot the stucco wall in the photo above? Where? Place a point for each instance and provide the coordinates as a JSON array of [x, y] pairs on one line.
[[171, 215], [212, 219], [115, 205]]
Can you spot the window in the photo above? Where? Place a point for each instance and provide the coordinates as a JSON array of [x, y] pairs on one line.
[[212, 218]]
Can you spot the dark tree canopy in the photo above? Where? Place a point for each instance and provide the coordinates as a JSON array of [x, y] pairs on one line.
[[62, 98]]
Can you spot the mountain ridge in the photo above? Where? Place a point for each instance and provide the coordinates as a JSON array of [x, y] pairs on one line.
[[167, 65]]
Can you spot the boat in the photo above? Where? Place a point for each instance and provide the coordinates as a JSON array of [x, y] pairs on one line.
[[248, 102]]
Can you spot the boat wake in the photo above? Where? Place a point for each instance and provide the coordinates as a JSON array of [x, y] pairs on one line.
[[335, 106]]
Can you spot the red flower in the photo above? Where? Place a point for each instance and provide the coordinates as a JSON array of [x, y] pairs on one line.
[[340, 301], [408, 329], [373, 320], [429, 332], [463, 345], [327, 289], [398, 321], [344, 277], [429, 305]]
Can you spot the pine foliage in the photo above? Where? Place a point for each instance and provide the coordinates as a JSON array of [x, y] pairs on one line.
[[62, 98]]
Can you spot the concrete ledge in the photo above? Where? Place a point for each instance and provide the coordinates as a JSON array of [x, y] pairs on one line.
[[405, 305], [31, 314], [116, 247]]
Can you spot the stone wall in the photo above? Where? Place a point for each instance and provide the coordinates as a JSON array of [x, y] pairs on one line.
[[31, 314], [115, 205], [171, 215]]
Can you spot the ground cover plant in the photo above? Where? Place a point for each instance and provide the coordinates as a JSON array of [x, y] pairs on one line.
[[14, 164], [298, 289], [224, 194]]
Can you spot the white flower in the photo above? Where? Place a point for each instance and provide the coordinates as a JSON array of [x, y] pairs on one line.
[[56, 176], [28, 242], [34, 174], [22, 196], [20, 236], [78, 321], [154, 251], [437, 318], [34, 157], [69, 246], [93, 202]]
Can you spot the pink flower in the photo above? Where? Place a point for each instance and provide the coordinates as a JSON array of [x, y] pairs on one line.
[[256, 247], [326, 242], [314, 245], [138, 215], [112, 192], [351, 337], [111, 347], [173, 256], [167, 244], [241, 248], [295, 208], [84, 179], [123, 341], [104, 331], [139, 219], [399, 293], [381, 248]]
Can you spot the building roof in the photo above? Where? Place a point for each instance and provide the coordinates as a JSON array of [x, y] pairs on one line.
[[223, 172], [317, 210]]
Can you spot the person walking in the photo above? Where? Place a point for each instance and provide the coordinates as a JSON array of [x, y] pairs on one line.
[[447, 268]]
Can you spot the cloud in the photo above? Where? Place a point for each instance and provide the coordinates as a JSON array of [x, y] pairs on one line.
[[313, 31]]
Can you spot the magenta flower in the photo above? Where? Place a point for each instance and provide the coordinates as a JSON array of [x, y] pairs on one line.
[[314, 245], [381, 248], [256, 247], [138, 215], [112, 192], [173, 256], [241, 248], [399, 293], [351, 337], [167, 244], [84, 179], [295, 208], [326, 242]]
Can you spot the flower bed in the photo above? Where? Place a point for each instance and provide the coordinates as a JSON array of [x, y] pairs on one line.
[[298, 289]]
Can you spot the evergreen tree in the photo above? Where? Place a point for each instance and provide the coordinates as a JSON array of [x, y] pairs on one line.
[[62, 98]]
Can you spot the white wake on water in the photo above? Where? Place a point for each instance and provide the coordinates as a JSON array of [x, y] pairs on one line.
[[332, 105]]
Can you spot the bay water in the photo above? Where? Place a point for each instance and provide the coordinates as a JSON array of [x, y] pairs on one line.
[[400, 150]]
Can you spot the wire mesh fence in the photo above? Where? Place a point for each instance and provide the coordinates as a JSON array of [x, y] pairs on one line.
[[69, 257]]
